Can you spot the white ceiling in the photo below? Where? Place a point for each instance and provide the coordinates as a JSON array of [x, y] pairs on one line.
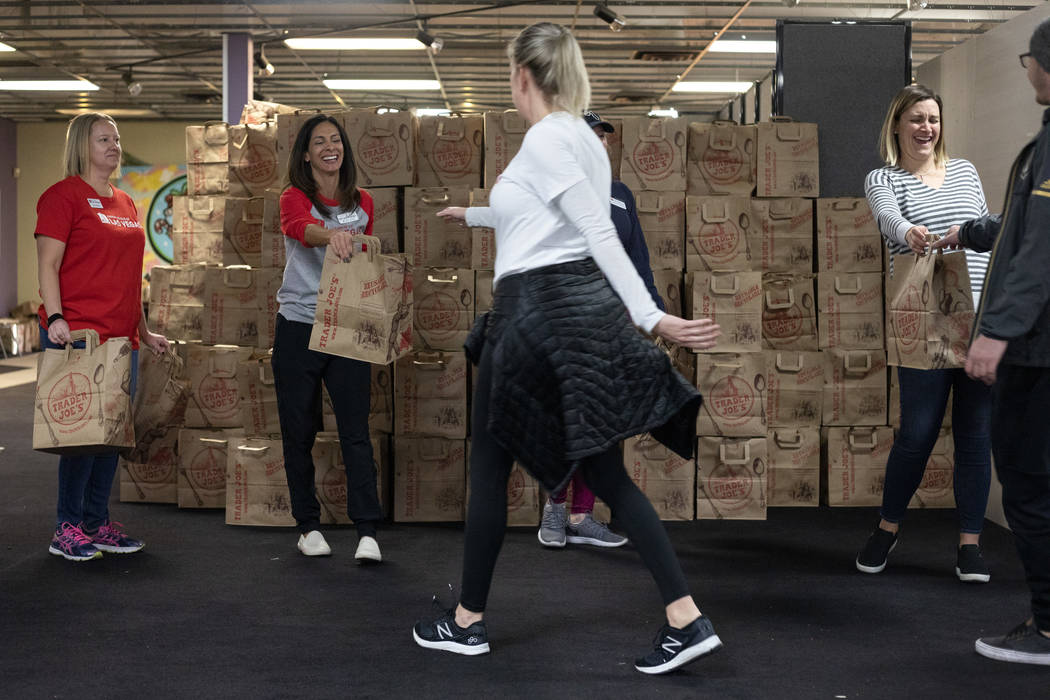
[[175, 49]]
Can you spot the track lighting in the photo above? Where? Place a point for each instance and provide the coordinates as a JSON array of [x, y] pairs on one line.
[[916, 5], [615, 21], [791, 3], [262, 64], [433, 43], [134, 87]]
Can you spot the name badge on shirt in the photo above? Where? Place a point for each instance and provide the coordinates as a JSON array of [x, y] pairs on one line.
[[94, 203], [618, 203], [347, 217]]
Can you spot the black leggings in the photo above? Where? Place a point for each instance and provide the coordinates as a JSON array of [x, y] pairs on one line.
[[604, 473]]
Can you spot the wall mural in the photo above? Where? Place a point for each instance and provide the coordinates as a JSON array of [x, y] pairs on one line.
[[152, 187]]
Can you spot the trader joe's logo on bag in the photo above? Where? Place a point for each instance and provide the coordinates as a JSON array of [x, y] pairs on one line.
[[257, 165], [729, 484], [69, 401], [333, 485], [452, 157], [208, 469], [720, 240], [378, 153], [782, 324], [906, 319], [438, 314], [732, 399], [653, 158], [722, 166], [219, 396]]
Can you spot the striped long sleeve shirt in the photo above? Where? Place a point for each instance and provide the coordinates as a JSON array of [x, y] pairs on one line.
[[899, 200]]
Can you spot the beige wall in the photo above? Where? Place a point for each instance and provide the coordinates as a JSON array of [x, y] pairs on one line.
[[989, 114], [40, 166]]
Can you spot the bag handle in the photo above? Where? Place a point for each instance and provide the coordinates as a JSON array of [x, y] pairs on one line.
[[713, 285], [722, 136], [451, 129], [794, 443], [845, 205], [215, 133], [654, 130], [783, 366], [770, 304], [870, 444], [435, 199], [840, 289], [238, 276], [213, 441], [743, 459], [861, 368], [215, 369], [430, 360], [88, 335], [436, 278], [433, 448], [708, 209]]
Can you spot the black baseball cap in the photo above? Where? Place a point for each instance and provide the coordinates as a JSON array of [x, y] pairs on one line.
[[594, 120]]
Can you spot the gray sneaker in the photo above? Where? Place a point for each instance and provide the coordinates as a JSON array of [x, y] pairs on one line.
[[552, 526], [590, 531], [1024, 645]]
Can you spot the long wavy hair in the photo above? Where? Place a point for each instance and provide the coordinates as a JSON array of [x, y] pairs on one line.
[[301, 175]]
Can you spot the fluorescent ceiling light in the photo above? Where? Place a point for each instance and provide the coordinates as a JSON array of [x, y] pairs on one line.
[[6, 47], [432, 112], [51, 85], [664, 112], [711, 86], [115, 112], [380, 85], [730, 46], [348, 44]]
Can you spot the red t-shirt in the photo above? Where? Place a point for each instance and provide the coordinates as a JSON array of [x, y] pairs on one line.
[[100, 277]]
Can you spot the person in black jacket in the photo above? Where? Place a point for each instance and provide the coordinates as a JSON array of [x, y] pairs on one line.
[[1011, 352], [579, 526]]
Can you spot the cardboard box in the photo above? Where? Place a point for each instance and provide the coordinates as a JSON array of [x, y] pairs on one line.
[[483, 249], [849, 309], [231, 306], [733, 300], [855, 388], [789, 311], [152, 476], [383, 146], [653, 155], [733, 387], [786, 227], [795, 386], [788, 159], [856, 463], [443, 307], [449, 151], [666, 478], [848, 238], [429, 240], [176, 306], [731, 478], [504, 132], [793, 477], [202, 467], [430, 395], [429, 479], [718, 233], [662, 218], [721, 158]]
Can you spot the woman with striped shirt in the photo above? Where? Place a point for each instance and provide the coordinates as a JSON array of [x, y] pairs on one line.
[[922, 192]]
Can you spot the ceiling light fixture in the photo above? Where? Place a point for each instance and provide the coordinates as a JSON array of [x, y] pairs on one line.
[[48, 85], [114, 112], [380, 85], [432, 112], [350, 44], [791, 3], [134, 87], [6, 47], [262, 64], [915, 5], [615, 21], [433, 43], [712, 86], [664, 112], [730, 46]]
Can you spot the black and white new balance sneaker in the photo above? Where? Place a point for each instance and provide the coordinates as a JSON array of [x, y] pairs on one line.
[[444, 634], [675, 647]]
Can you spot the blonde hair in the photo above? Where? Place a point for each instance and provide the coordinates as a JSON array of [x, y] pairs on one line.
[[77, 156], [889, 149], [553, 57]]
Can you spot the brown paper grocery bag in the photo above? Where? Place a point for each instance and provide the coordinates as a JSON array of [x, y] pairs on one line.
[[937, 488], [364, 306], [256, 485], [666, 478], [214, 390], [504, 132], [662, 218], [788, 159], [721, 158], [429, 479], [786, 234], [202, 467], [789, 311], [176, 306], [483, 285], [260, 112], [430, 394], [929, 311], [449, 151], [207, 178], [793, 478], [429, 240], [196, 233], [849, 310], [855, 387], [848, 238], [386, 225], [208, 143], [733, 386], [83, 397], [483, 238], [242, 231], [856, 464], [161, 395], [269, 282], [731, 478], [149, 476], [795, 385], [258, 396], [444, 307], [653, 155], [383, 146], [718, 233], [271, 240], [231, 309], [733, 300], [669, 287], [253, 159]]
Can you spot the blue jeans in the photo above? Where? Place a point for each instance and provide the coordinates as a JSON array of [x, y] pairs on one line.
[[924, 395], [85, 481]]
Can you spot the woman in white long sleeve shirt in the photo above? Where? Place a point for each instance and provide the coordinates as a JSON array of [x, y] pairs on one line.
[[563, 373]]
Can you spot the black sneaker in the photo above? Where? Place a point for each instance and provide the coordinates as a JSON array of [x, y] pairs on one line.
[[970, 565], [1023, 645], [443, 633], [675, 647], [872, 559]]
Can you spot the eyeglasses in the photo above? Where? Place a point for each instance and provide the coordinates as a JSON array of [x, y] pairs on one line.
[[1024, 59]]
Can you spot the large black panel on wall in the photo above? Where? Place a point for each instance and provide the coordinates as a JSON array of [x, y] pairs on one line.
[[841, 77]]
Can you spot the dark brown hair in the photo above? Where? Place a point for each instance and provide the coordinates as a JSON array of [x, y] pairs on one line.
[[300, 173]]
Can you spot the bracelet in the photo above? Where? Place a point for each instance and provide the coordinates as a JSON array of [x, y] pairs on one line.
[[54, 317]]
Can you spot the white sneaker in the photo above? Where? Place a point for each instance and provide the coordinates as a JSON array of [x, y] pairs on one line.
[[368, 550], [312, 544]]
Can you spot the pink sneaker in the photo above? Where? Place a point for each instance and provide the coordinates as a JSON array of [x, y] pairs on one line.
[[109, 538], [71, 543]]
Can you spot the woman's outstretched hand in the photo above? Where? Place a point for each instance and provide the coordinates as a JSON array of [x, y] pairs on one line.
[[699, 334]]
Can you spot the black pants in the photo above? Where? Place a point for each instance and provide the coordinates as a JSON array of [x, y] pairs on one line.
[[297, 375], [1021, 447], [490, 467]]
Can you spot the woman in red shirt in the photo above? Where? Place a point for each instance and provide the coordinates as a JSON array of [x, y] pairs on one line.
[[89, 246]]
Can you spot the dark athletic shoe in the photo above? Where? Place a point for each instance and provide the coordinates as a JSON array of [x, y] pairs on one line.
[[675, 647], [872, 559], [1023, 645], [970, 565], [444, 634]]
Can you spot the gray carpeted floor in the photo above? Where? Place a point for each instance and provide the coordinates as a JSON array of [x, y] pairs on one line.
[[208, 610]]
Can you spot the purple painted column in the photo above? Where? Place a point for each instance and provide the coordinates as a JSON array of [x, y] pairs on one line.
[[9, 217], [237, 75]]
